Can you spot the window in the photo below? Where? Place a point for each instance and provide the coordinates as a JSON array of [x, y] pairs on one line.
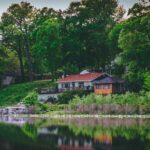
[[98, 86], [106, 86], [66, 85], [81, 84], [63, 86], [103, 86], [73, 85]]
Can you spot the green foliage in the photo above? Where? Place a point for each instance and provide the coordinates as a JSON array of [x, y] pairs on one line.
[[16, 27], [17, 133], [8, 60], [40, 108], [147, 81], [31, 99], [85, 42], [57, 107], [128, 133], [15, 93], [131, 40], [47, 46], [30, 131], [143, 98], [65, 97], [114, 37], [88, 35]]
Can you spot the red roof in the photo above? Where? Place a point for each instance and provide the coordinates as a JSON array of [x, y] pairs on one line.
[[81, 77]]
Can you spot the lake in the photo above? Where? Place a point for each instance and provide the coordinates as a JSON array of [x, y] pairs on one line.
[[23, 133]]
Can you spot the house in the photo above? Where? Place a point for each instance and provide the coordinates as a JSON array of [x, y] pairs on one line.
[[83, 81], [109, 85]]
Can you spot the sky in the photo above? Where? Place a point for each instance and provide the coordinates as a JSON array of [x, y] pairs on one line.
[[56, 4]]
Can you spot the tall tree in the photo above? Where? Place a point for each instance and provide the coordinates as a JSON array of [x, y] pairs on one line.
[[12, 39], [86, 32], [21, 17], [48, 45], [130, 40]]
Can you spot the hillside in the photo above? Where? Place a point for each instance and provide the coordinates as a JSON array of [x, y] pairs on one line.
[[15, 93]]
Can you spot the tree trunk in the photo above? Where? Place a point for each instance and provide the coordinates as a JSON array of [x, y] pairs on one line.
[[28, 55], [21, 61], [21, 66]]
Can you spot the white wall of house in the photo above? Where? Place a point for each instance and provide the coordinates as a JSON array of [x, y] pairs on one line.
[[61, 86], [70, 85], [76, 84], [88, 84]]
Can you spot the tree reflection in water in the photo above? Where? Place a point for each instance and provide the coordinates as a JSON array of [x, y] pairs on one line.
[[74, 134]]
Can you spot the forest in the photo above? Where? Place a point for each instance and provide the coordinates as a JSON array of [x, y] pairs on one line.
[[93, 35]]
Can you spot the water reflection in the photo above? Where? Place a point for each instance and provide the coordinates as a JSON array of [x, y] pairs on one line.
[[74, 134]]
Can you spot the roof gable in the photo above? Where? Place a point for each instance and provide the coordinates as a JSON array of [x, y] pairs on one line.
[[109, 80]]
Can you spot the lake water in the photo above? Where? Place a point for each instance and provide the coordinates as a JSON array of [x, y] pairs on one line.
[[74, 134]]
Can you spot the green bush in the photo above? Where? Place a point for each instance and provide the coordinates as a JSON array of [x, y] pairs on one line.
[[31, 99], [129, 98], [147, 81], [56, 107], [64, 98], [41, 108]]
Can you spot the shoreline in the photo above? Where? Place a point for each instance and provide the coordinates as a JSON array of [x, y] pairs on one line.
[[59, 116]]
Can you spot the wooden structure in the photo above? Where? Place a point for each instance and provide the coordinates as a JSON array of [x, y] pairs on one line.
[[109, 85]]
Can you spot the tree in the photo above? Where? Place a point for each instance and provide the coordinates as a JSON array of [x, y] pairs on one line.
[[8, 61], [12, 39], [20, 16], [140, 9], [85, 32], [47, 47], [3, 55], [134, 40], [130, 41]]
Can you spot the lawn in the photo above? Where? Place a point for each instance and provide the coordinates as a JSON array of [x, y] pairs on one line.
[[15, 93]]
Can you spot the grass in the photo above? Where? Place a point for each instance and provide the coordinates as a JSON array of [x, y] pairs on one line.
[[15, 93]]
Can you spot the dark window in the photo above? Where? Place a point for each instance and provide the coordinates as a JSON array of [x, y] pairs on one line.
[[66, 85], [81, 84], [73, 84], [63, 85]]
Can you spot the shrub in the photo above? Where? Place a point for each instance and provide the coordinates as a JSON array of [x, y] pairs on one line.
[[147, 81], [129, 98], [56, 107], [31, 99], [41, 108], [65, 97]]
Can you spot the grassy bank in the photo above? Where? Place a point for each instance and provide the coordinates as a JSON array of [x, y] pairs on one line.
[[69, 103], [124, 104], [15, 93], [129, 103]]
